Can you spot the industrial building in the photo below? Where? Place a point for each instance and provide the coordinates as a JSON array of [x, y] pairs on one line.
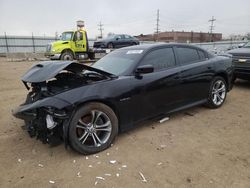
[[181, 37]]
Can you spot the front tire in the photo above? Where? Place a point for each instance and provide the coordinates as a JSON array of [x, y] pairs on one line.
[[217, 92], [67, 56], [93, 128], [110, 45]]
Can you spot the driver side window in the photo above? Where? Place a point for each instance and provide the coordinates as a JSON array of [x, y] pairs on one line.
[[160, 59], [78, 36]]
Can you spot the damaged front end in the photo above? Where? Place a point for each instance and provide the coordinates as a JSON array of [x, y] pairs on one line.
[[43, 119], [47, 116]]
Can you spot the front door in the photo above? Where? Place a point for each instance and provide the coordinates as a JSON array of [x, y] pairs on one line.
[[80, 41], [160, 91]]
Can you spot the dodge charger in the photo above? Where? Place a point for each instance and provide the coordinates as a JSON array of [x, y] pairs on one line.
[[87, 106]]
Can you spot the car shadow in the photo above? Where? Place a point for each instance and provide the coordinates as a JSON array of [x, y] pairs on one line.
[[242, 83]]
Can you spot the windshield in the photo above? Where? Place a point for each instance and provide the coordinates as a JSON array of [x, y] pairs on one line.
[[247, 45], [118, 61], [66, 36]]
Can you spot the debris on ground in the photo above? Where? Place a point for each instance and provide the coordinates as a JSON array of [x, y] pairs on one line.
[[164, 119], [86, 158], [107, 174], [96, 182], [100, 178], [74, 161], [159, 163], [19, 160], [189, 114], [189, 180], [96, 156], [117, 175], [90, 166], [112, 161], [40, 165], [143, 177], [107, 154], [162, 145], [124, 166], [52, 182], [79, 174]]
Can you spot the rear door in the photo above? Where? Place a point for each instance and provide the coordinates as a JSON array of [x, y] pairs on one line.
[[160, 91], [128, 40], [196, 73]]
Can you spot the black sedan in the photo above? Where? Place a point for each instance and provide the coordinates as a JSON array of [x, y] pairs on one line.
[[116, 41], [88, 106], [241, 60]]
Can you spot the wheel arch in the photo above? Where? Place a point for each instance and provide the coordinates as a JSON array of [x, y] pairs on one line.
[[67, 50], [107, 103], [225, 76]]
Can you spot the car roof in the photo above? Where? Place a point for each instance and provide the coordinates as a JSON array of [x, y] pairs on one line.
[[148, 47]]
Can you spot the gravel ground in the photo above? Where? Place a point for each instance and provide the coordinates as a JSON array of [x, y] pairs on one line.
[[199, 147]]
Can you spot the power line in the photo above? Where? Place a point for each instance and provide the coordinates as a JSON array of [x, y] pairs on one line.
[[211, 28], [100, 29], [157, 31]]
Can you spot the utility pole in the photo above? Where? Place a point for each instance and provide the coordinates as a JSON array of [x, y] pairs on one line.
[[157, 30], [211, 27], [100, 29]]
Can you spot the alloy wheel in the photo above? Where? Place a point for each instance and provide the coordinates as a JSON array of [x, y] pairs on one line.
[[94, 128], [218, 92]]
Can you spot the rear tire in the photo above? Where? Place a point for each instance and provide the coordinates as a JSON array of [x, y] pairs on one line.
[[217, 92], [93, 128], [67, 56]]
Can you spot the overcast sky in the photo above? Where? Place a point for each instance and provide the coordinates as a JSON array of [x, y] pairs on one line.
[[45, 17]]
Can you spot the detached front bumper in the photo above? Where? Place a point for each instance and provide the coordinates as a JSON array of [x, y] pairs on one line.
[[52, 56]]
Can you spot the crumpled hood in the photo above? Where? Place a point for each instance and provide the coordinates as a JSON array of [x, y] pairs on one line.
[[46, 70]]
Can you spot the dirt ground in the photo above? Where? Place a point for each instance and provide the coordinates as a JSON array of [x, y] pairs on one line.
[[195, 148]]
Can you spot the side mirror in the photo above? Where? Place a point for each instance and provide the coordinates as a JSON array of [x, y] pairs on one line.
[[144, 69], [118, 38]]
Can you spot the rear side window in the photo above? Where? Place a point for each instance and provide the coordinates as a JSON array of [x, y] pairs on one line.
[[202, 55], [160, 59], [187, 55], [127, 37]]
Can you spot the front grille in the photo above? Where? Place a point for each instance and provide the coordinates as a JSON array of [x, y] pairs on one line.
[[238, 59]]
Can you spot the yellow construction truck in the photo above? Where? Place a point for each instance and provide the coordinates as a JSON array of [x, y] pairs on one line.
[[72, 45]]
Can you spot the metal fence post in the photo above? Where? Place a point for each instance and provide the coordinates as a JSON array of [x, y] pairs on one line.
[[6, 42], [33, 43]]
